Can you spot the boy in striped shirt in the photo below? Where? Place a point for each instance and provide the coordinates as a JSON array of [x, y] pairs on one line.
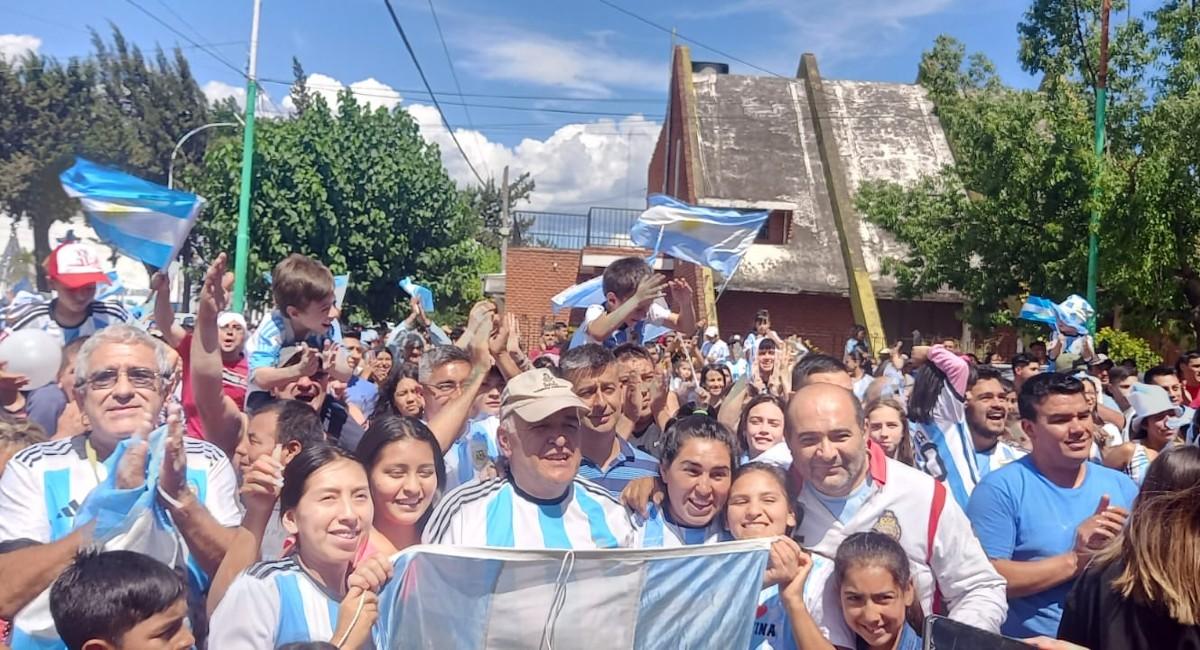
[[542, 503], [608, 459]]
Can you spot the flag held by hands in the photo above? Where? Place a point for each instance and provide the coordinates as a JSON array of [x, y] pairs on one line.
[[1070, 317], [417, 291], [705, 236], [143, 220]]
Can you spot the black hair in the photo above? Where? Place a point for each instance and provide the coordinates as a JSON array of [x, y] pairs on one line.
[[871, 548], [1038, 388], [103, 595], [545, 362], [385, 403], [857, 329], [308, 645], [928, 382], [630, 351], [766, 344], [622, 277], [1022, 359], [764, 398], [352, 334], [1116, 375], [1176, 468], [392, 428], [295, 422], [1037, 343], [988, 373], [303, 465], [1158, 371], [718, 368], [696, 426], [815, 363]]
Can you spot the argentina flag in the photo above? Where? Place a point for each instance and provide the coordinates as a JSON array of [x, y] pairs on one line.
[[705, 236], [142, 220], [1071, 315], [475, 598]]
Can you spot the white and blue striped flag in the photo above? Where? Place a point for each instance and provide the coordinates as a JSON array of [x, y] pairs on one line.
[[584, 294], [417, 291], [476, 598], [145, 221], [705, 236], [1071, 315]]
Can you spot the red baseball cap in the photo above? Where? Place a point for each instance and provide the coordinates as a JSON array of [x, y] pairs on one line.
[[75, 265]]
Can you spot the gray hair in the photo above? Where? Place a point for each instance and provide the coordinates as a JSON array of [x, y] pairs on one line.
[[591, 359], [437, 356], [120, 334]]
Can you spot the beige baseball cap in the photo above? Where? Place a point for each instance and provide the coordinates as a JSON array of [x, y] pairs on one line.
[[536, 395]]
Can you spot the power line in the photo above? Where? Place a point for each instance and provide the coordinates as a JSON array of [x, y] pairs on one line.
[[550, 98], [181, 19], [454, 75], [413, 55], [681, 37], [185, 37]]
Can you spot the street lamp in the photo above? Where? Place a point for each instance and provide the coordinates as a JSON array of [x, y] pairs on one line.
[[171, 165]]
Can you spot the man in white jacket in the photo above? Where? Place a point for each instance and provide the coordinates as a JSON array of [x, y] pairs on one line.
[[848, 485]]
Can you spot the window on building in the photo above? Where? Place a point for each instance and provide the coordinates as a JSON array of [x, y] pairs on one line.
[[777, 229]]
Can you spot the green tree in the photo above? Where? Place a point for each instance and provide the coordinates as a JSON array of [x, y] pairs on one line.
[[486, 202], [360, 190], [1010, 217], [114, 107]]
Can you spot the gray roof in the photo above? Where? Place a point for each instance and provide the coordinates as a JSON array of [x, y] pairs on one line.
[[758, 147]]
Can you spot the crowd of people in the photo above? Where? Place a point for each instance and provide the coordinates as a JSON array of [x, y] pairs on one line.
[[1050, 497]]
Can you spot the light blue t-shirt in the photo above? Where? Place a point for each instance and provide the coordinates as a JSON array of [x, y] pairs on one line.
[[844, 508], [1020, 515]]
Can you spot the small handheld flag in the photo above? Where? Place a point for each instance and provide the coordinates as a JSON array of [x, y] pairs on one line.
[[145, 221], [418, 291]]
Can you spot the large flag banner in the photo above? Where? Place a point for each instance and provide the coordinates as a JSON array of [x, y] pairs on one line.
[[705, 236], [145, 221], [500, 599], [584, 294]]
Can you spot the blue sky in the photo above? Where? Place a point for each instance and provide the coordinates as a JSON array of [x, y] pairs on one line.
[[584, 84]]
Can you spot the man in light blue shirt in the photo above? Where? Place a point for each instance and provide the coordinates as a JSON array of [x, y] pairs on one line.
[[1041, 518]]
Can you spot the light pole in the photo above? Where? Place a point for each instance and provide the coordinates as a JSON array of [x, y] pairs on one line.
[[241, 257], [171, 165]]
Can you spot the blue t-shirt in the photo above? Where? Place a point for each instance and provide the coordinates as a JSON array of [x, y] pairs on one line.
[[1020, 515], [844, 508]]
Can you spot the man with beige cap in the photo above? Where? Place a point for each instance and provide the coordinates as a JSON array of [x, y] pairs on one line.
[[541, 503]]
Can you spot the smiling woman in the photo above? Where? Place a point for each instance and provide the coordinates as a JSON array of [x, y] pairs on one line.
[[326, 505]]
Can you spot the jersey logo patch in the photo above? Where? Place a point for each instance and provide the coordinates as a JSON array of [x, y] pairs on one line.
[[888, 524]]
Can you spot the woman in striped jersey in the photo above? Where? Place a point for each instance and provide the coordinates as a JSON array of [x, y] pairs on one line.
[[406, 474], [306, 596], [791, 607], [697, 463]]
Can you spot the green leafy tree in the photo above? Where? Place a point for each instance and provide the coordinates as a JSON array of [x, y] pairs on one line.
[[115, 107], [358, 189], [487, 203], [1010, 217]]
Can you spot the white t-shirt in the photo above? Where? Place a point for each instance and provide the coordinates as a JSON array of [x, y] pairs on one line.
[[657, 314], [778, 455], [715, 351]]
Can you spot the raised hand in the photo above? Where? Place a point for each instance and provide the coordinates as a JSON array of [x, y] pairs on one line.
[[131, 470], [513, 345], [262, 483], [649, 289], [1099, 529], [214, 292], [172, 478]]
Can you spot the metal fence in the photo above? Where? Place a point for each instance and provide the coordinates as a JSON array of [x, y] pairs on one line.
[[607, 227]]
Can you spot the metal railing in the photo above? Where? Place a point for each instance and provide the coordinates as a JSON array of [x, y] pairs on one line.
[[607, 227]]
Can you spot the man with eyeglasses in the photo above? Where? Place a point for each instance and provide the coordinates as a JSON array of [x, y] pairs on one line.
[[313, 390], [450, 378], [120, 387]]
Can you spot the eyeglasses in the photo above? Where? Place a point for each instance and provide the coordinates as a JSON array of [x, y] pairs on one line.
[[445, 387], [107, 378]]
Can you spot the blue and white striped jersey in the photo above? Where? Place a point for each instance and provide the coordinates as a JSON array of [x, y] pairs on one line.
[[631, 463], [773, 626], [473, 455], [498, 513], [272, 604], [658, 531], [274, 334], [39, 314], [43, 486]]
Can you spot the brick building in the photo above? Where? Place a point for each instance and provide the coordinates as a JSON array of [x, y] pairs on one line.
[[797, 147]]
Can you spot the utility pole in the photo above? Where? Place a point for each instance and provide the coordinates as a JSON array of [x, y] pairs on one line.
[[242, 255], [505, 227], [1101, 101]]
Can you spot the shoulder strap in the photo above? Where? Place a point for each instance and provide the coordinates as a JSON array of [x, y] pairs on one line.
[[936, 505]]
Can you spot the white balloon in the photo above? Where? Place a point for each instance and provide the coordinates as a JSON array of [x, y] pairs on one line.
[[32, 353]]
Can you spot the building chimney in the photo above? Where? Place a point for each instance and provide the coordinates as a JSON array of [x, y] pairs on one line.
[[705, 68]]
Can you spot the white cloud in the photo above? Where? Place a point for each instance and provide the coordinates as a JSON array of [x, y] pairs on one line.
[[15, 45], [602, 163], [588, 66], [217, 91], [264, 105]]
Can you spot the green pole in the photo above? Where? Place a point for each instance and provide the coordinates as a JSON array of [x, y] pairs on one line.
[[242, 256], [241, 259], [1101, 105]]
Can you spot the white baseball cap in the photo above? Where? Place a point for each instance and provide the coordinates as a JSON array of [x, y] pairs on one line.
[[229, 317]]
